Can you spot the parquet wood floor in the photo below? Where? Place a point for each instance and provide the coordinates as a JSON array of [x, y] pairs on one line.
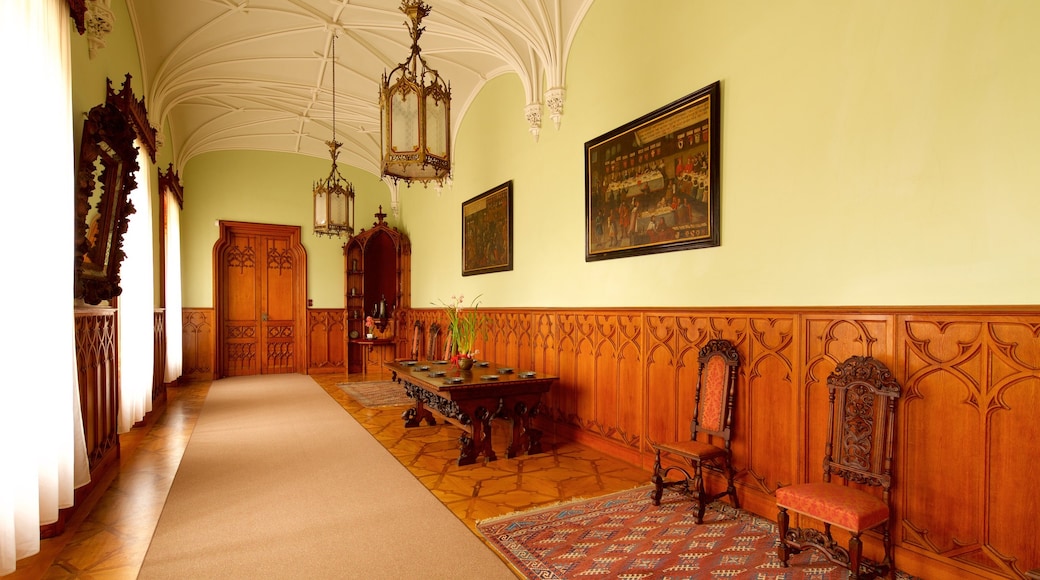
[[108, 537]]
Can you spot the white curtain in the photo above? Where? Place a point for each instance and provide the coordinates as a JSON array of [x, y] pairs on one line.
[[137, 304], [174, 336], [39, 407]]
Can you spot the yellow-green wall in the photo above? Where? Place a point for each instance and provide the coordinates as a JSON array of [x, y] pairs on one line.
[[112, 62], [270, 188], [873, 153]]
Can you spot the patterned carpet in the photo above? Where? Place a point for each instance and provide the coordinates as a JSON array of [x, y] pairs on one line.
[[377, 393], [623, 535]]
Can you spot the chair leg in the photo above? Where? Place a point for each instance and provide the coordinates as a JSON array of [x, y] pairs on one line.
[[657, 480], [891, 571], [698, 491], [731, 489], [782, 522], [855, 554]]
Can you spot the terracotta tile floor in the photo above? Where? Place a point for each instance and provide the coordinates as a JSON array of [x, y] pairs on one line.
[[109, 540]]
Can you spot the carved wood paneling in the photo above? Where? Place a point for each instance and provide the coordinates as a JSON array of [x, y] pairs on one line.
[[98, 369], [971, 419], [198, 344], [964, 499], [326, 335], [968, 418], [159, 359], [96, 351], [767, 400]]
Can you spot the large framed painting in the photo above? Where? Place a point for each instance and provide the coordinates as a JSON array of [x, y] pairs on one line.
[[652, 185], [487, 231]]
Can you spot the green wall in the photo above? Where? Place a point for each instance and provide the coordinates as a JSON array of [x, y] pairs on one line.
[[271, 188], [877, 153], [873, 153], [112, 62]]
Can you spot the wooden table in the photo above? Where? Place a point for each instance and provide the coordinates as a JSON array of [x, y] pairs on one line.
[[471, 399], [383, 347]]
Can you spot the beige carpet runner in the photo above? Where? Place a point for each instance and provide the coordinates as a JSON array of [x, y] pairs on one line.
[[278, 481]]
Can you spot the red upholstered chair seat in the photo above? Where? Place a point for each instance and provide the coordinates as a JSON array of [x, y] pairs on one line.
[[705, 451], [845, 507]]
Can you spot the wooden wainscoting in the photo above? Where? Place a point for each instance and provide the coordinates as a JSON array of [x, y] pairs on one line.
[[97, 366], [159, 360], [198, 344], [969, 418], [326, 340]]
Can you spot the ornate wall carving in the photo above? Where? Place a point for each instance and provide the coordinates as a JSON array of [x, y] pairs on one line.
[[326, 340], [198, 343], [967, 422]]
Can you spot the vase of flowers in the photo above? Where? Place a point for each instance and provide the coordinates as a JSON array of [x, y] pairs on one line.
[[464, 325], [370, 327]]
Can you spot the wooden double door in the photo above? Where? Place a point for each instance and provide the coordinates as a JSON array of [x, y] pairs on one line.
[[261, 274]]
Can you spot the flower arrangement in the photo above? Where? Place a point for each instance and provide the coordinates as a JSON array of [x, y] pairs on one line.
[[370, 324], [464, 326]]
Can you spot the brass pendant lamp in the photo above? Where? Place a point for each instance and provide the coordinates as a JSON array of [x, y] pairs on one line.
[[415, 111], [334, 195]]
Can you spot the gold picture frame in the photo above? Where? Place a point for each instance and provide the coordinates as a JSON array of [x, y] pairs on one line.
[[652, 185], [487, 231]]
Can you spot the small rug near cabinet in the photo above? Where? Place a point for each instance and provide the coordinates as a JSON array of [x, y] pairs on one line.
[[377, 393], [623, 535]]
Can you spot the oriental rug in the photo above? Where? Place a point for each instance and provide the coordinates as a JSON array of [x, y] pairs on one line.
[[623, 535], [377, 393]]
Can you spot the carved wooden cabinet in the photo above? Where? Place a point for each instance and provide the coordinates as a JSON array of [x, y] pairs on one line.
[[377, 264]]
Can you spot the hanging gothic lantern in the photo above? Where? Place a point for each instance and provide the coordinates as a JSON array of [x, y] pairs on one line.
[[415, 110], [334, 195]]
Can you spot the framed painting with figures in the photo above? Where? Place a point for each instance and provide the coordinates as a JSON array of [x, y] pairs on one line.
[[652, 185], [487, 231]]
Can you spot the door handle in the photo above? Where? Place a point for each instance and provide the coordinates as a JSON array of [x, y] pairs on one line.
[[263, 317]]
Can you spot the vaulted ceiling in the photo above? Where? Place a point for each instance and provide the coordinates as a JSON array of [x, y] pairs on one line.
[[257, 74]]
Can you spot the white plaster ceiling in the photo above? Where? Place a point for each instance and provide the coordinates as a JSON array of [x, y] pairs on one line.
[[256, 74]]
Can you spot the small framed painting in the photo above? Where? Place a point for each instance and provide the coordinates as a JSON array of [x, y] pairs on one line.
[[487, 231], [652, 185]]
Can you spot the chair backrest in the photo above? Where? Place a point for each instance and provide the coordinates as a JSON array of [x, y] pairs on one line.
[[447, 346], [718, 362], [417, 329], [431, 346], [863, 395]]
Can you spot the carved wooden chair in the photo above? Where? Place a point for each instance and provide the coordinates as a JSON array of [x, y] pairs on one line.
[[431, 345], [863, 395], [710, 430], [417, 331], [447, 346]]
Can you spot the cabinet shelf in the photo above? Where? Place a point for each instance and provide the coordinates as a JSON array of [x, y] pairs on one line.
[[377, 265]]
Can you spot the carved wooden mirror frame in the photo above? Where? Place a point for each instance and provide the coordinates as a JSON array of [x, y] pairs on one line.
[[104, 180]]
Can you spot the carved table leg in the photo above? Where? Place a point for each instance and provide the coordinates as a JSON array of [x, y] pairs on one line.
[[524, 437], [467, 454], [477, 438], [482, 434], [416, 415]]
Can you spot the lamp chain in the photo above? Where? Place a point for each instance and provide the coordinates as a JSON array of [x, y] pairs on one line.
[[334, 92]]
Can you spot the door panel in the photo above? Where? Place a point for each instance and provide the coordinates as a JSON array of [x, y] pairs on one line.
[[277, 307], [261, 277], [241, 331]]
